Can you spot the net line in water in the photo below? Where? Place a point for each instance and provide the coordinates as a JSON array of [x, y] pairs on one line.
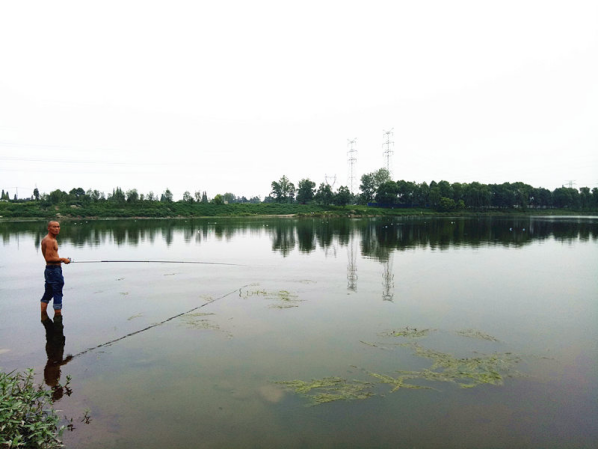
[[158, 324]]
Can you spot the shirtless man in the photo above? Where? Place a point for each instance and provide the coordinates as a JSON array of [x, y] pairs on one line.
[[53, 272]]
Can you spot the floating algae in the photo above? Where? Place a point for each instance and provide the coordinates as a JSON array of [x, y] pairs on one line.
[[197, 321], [284, 299], [472, 333], [467, 372], [398, 382], [330, 389], [408, 332]]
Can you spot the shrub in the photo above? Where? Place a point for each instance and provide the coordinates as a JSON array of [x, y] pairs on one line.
[[27, 419]]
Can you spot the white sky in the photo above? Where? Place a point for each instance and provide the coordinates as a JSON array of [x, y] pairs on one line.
[[228, 96]]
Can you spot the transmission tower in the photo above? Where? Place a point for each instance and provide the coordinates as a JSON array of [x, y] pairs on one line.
[[571, 183], [332, 178], [388, 148], [352, 158]]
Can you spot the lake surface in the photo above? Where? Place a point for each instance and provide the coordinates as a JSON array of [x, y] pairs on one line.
[[398, 333]]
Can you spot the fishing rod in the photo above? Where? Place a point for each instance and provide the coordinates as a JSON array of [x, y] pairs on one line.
[[108, 343], [155, 261]]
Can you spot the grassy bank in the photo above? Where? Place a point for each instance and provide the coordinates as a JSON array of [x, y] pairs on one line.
[[37, 210]]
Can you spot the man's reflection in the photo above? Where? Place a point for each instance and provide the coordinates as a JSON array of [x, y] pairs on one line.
[[55, 341]]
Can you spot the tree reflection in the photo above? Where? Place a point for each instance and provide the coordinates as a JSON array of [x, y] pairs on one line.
[[378, 236]]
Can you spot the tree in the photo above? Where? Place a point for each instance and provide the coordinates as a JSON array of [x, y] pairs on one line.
[[387, 193], [57, 196], [166, 196], [381, 176], [132, 196], [36, 194], [343, 196], [229, 198], [283, 190], [218, 200], [367, 188], [370, 182], [197, 196], [324, 194], [204, 197], [187, 198], [306, 191], [118, 196], [446, 204]]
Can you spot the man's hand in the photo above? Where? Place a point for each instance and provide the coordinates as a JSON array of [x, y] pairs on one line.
[[66, 260]]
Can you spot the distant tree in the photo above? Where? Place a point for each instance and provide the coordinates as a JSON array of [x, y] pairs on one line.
[[36, 194], [446, 204], [76, 194], [381, 176], [255, 200], [187, 198], [406, 192], [204, 197], [367, 188], [306, 191], [198, 196], [343, 196], [324, 195], [585, 197], [151, 196], [132, 196], [166, 196], [387, 193], [283, 190], [218, 200], [57, 196], [229, 198], [118, 196]]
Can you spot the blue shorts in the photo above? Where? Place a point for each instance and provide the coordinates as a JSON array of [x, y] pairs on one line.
[[54, 284]]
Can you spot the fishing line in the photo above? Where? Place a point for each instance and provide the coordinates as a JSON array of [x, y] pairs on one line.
[[156, 261], [160, 323]]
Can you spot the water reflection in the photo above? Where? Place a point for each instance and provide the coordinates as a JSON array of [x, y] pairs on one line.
[[378, 236], [55, 341]]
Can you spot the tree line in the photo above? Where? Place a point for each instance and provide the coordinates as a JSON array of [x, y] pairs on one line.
[[375, 189], [378, 189]]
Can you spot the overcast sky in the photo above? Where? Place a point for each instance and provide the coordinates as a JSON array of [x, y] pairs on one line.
[[228, 96]]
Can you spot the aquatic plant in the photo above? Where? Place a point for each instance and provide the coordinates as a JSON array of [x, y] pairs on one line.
[[408, 332], [27, 419], [472, 333], [467, 372], [398, 382], [284, 299], [329, 389]]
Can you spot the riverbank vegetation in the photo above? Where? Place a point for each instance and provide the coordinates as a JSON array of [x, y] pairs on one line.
[[378, 195], [27, 419]]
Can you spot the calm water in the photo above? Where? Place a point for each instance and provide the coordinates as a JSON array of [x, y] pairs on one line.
[[342, 300]]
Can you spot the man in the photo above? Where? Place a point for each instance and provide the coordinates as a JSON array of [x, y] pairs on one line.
[[53, 272]]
